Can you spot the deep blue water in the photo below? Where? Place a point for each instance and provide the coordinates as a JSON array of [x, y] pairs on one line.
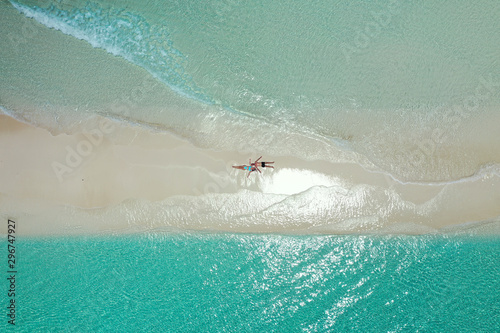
[[257, 283]]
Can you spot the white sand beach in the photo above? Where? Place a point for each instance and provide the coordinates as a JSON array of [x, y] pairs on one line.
[[110, 177]]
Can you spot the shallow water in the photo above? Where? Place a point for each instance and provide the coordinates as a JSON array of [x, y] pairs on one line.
[[248, 283], [403, 97], [409, 89], [407, 94]]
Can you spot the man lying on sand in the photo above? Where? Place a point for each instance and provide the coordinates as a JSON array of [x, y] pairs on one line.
[[254, 166]]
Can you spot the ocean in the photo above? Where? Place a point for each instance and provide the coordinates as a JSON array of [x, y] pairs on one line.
[[391, 85], [405, 94], [202, 282]]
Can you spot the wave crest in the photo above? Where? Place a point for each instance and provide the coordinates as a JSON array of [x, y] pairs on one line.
[[123, 34]]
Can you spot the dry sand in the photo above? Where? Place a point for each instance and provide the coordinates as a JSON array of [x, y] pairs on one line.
[[111, 177]]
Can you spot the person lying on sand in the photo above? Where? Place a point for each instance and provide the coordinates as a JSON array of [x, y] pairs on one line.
[[254, 166], [262, 164], [250, 168]]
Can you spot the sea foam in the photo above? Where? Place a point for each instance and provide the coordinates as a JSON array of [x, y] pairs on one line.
[[126, 35]]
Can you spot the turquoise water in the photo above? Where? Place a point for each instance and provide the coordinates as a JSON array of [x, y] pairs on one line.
[[370, 80], [246, 283], [408, 89], [259, 56]]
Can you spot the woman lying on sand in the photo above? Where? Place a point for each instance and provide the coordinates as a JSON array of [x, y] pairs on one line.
[[254, 166]]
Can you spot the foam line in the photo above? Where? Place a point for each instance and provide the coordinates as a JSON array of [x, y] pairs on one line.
[[126, 35]]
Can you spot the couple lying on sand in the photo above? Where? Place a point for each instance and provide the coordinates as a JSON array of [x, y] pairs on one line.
[[254, 166]]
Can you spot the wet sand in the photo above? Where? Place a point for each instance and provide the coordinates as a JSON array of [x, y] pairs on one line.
[[112, 177]]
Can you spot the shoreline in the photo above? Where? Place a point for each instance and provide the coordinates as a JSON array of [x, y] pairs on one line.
[[117, 178]]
